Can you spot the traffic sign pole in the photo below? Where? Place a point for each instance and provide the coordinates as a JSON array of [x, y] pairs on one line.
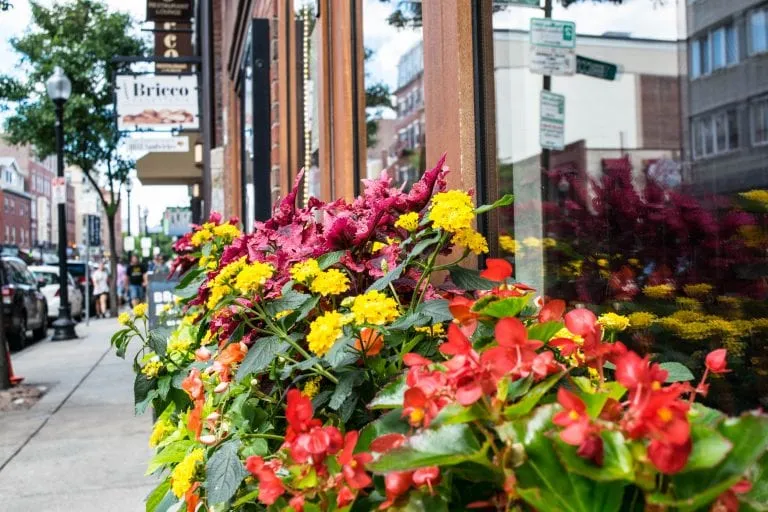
[[546, 86]]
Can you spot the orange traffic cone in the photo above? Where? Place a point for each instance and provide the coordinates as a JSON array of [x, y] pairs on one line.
[[15, 379]]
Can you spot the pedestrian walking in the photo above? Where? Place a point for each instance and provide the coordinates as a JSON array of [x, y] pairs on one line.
[[137, 280], [100, 280]]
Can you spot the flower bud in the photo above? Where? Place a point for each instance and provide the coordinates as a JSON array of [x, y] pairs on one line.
[[208, 439], [202, 354], [221, 387], [214, 417]]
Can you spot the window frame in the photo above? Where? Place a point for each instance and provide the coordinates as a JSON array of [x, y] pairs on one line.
[[710, 121], [750, 31], [752, 121], [704, 42]]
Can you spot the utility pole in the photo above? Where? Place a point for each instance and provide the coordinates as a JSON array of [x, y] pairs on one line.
[[547, 86]]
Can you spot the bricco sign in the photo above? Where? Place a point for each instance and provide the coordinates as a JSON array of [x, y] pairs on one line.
[[156, 102]]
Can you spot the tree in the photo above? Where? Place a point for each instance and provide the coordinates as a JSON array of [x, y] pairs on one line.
[[377, 97], [82, 37]]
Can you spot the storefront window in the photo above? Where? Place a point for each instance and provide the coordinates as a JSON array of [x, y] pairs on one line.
[[247, 148], [636, 191]]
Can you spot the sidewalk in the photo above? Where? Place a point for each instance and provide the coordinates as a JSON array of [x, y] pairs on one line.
[[81, 447]]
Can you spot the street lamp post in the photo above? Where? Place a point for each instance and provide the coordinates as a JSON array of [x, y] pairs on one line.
[[128, 187], [59, 88]]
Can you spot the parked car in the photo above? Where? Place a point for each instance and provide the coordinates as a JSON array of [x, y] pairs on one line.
[[48, 279], [24, 306], [76, 269]]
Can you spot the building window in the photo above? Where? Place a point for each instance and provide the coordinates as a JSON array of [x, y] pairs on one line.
[[714, 134], [714, 50], [760, 122], [758, 31]]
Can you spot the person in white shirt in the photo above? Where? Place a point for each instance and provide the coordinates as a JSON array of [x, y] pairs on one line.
[[100, 280]]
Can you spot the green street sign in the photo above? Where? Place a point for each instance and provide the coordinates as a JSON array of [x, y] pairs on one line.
[[596, 68], [517, 3]]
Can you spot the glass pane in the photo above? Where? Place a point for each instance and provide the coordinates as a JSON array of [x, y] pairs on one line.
[[760, 121], [246, 98], [758, 33], [612, 211]]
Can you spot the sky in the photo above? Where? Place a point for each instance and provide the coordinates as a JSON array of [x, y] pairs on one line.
[[640, 18]]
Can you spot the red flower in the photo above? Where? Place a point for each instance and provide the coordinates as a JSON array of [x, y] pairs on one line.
[[669, 458], [511, 333], [297, 503], [428, 476], [193, 385], [574, 418], [497, 269], [191, 498], [461, 309], [581, 321], [396, 484], [270, 486], [457, 343], [632, 372], [298, 411], [552, 311], [353, 466], [716, 362], [345, 497]]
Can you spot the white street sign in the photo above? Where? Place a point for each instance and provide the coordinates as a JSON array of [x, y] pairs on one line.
[[552, 120], [145, 252], [146, 242], [157, 145], [129, 243], [553, 33], [59, 191], [552, 61]]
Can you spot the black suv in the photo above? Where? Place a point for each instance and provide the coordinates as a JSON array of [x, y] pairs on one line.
[[24, 307]]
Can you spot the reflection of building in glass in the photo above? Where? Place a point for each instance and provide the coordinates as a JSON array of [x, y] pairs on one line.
[[408, 148], [176, 220], [726, 108]]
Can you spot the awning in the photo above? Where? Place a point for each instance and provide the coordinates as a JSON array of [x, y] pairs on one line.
[[169, 168]]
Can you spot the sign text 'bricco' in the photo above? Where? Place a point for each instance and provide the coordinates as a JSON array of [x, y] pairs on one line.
[[156, 102], [169, 10]]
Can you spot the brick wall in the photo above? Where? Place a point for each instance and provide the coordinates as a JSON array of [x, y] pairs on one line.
[[660, 112], [15, 225]]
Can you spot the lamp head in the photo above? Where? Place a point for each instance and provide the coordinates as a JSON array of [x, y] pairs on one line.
[[58, 85]]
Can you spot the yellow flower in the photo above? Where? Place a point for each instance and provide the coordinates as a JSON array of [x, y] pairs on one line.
[[330, 282], [452, 211], [377, 246], [753, 236], [408, 221], [140, 310], [602, 262], [217, 293], [509, 244], [688, 303], [613, 322], [282, 314], [179, 341], [166, 307], [697, 290], [152, 368], [311, 388], [641, 320], [324, 331], [252, 277], [124, 319], [532, 242], [200, 237], [226, 231], [159, 432], [303, 271], [759, 196], [435, 331], [183, 474], [729, 301], [633, 261], [220, 287], [659, 291], [549, 242], [374, 308], [472, 240], [568, 335]]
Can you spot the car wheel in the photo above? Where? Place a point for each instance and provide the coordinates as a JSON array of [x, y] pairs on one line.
[[42, 331], [18, 339]]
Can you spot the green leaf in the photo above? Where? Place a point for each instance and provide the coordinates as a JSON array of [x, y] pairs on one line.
[[224, 472], [189, 276], [532, 398], [425, 502], [261, 355], [288, 302], [757, 497], [678, 372], [384, 281], [408, 321], [344, 388], [250, 497], [142, 385], [422, 245], [617, 459], [437, 310], [307, 308], [709, 448], [256, 446], [390, 423], [391, 396], [191, 288], [164, 386], [455, 413], [157, 495], [511, 306], [505, 200], [595, 400], [171, 454], [329, 259], [467, 279], [705, 415], [445, 446], [544, 332], [514, 389], [342, 353], [157, 343]]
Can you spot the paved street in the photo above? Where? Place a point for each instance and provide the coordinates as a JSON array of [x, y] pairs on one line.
[[80, 447]]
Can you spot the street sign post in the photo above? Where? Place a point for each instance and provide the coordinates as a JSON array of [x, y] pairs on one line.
[[59, 191], [552, 121], [596, 68], [553, 47], [93, 232]]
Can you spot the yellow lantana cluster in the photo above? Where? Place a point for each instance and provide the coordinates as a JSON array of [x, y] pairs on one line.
[[452, 211], [508, 244], [312, 387], [152, 368], [221, 284], [124, 318], [697, 290], [140, 310], [183, 474], [330, 282], [226, 231], [758, 195], [179, 341], [641, 320], [374, 308], [436, 330], [659, 291], [305, 270], [161, 429], [613, 322], [324, 331], [253, 276], [408, 221], [472, 240], [688, 303], [532, 242]]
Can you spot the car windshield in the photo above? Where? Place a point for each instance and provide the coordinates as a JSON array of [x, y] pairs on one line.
[[46, 277]]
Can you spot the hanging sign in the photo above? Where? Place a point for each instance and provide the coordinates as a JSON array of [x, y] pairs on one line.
[[169, 10], [173, 40], [552, 121], [59, 191], [156, 102]]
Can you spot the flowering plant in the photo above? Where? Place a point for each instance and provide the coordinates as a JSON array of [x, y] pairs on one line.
[[322, 365]]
